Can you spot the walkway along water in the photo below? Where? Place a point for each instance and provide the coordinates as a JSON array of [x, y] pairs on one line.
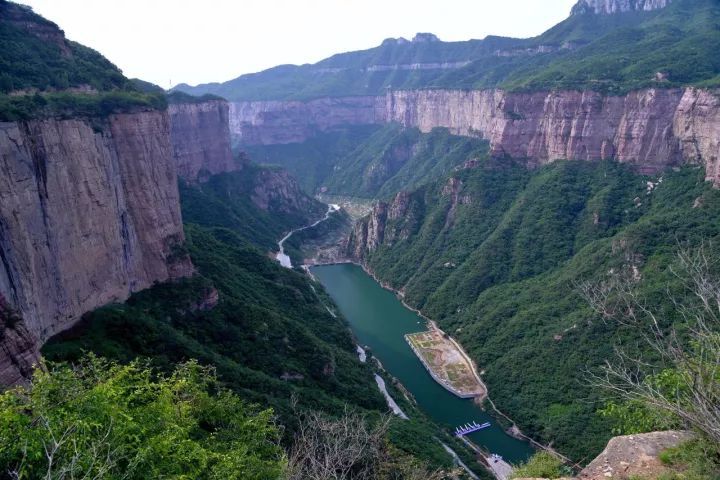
[[380, 321], [281, 256]]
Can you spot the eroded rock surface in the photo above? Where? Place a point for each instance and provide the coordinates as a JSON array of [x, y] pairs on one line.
[[200, 136], [633, 456], [651, 129], [89, 213]]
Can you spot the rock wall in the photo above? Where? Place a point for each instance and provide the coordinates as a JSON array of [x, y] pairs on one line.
[[89, 213], [368, 233], [201, 139], [279, 122], [607, 7], [652, 129]]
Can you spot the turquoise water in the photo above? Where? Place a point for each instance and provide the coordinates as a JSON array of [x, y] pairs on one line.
[[380, 321]]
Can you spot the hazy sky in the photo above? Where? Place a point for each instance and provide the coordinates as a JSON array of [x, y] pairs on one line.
[[165, 41]]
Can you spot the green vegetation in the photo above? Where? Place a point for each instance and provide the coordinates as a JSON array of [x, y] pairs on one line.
[[259, 204], [541, 465], [678, 43], [371, 161], [181, 97], [348, 73], [73, 105], [53, 77], [501, 270], [270, 337], [696, 459], [34, 54], [609, 53], [146, 87], [100, 419]]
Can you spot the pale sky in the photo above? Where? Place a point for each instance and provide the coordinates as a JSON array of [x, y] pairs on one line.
[[176, 41]]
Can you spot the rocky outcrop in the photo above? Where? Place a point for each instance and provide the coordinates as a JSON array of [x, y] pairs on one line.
[[606, 7], [89, 213], [201, 139], [275, 190], [279, 122], [633, 456], [369, 233]]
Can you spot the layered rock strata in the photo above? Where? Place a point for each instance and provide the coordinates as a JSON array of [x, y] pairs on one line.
[[652, 129]]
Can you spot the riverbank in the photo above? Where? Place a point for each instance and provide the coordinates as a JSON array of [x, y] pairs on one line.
[[513, 430]]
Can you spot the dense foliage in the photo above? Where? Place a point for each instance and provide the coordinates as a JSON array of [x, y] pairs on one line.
[[610, 53], [541, 465], [99, 419], [35, 55], [73, 105], [231, 200], [181, 97], [270, 337], [371, 161], [500, 269], [53, 77]]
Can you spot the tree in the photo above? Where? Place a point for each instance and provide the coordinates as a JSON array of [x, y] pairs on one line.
[[351, 446], [103, 420], [684, 381]]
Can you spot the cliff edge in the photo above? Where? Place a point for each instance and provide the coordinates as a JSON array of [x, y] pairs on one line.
[[89, 213]]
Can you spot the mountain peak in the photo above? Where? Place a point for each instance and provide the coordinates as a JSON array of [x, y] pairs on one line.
[[607, 7], [425, 38]]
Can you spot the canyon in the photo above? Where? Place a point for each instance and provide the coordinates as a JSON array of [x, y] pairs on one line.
[[652, 129]]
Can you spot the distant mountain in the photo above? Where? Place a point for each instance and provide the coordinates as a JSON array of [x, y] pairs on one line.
[[608, 45]]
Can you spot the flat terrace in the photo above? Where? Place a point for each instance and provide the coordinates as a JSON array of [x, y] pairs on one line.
[[446, 363]]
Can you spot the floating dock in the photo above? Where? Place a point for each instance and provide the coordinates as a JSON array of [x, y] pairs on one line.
[[470, 428]]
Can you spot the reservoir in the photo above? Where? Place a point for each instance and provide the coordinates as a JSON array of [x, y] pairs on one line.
[[380, 321]]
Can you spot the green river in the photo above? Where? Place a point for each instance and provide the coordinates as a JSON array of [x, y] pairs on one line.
[[380, 321]]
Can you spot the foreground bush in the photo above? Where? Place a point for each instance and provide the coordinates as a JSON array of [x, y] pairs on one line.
[[540, 465], [103, 420]]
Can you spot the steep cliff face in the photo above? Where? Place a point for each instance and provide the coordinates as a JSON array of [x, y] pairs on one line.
[[278, 122], [369, 233], [201, 139], [89, 213], [651, 129], [607, 7], [18, 348]]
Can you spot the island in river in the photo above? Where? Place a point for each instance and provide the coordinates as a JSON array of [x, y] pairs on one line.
[[447, 363], [380, 321]]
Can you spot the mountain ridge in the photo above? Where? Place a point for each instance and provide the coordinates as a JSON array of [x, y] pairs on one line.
[[616, 51]]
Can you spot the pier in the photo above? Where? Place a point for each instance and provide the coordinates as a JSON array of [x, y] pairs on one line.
[[469, 428]]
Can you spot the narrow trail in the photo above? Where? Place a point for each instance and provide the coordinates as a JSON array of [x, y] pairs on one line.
[[281, 256]]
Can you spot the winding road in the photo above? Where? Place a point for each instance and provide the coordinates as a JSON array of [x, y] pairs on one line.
[[281, 256]]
